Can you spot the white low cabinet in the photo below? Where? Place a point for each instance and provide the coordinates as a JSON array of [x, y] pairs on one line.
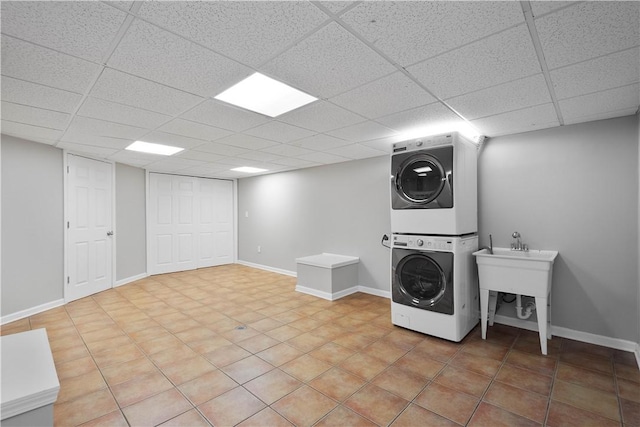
[[327, 276], [29, 380]]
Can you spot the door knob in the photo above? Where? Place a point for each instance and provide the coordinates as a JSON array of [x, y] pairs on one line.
[[109, 233]]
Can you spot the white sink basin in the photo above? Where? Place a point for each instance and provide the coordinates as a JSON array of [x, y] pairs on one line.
[[521, 273], [516, 272]]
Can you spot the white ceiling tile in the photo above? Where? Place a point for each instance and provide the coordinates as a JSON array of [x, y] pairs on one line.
[[287, 150], [502, 98], [278, 131], [172, 164], [224, 116], [602, 116], [357, 151], [587, 30], [84, 28], [126, 89], [124, 5], [385, 96], [421, 117], [119, 113], [260, 156], [606, 72], [412, 31], [336, 7], [248, 31], [133, 158], [362, 132], [37, 64], [34, 116], [500, 58], [234, 161], [221, 149], [295, 163], [198, 155], [622, 98], [525, 120], [89, 126], [327, 63], [26, 131], [91, 150], [321, 116], [323, 158], [246, 141], [35, 95], [202, 170], [77, 137], [542, 7], [159, 137], [194, 130], [320, 142], [160, 56]]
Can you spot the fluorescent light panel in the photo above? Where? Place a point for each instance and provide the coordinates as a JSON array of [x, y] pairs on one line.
[[151, 148], [248, 169], [265, 95]]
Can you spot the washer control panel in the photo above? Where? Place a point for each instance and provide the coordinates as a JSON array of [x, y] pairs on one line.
[[416, 144], [423, 242]]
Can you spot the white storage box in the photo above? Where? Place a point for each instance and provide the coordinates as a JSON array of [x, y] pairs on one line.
[[29, 380], [328, 276]]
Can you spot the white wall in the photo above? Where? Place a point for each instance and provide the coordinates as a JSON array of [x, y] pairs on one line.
[[130, 230], [341, 208], [32, 225], [573, 189]]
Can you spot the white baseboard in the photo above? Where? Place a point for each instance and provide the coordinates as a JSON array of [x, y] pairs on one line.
[[267, 268], [326, 295], [123, 282], [587, 337], [374, 291], [30, 311]]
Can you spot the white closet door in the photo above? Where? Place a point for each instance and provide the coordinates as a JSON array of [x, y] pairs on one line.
[[90, 227], [223, 226], [183, 222]]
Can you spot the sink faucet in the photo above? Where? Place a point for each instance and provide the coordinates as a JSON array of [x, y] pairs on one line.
[[518, 245], [490, 247]]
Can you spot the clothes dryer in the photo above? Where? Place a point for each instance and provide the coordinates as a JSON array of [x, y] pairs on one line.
[[434, 186], [434, 285]]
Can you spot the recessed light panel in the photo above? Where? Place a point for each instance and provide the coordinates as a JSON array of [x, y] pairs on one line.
[[151, 148], [248, 169], [265, 95]]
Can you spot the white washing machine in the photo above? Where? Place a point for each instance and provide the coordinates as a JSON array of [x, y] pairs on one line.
[[434, 285], [434, 186]]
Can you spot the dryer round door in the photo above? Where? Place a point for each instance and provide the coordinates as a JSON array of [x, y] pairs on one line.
[[421, 279], [420, 179]]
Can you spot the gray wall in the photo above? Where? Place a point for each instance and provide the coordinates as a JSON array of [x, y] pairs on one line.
[[341, 208], [573, 189], [32, 225], [131, 243]]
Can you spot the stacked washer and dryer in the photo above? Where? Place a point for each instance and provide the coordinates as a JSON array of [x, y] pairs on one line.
[[434, 225]]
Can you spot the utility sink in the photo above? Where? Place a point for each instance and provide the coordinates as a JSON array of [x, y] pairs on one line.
[[520, 273]]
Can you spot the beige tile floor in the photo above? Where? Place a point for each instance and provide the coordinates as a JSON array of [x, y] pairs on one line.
[[233, 345]]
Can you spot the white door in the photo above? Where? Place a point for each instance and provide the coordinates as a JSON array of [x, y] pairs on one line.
[[216, 222], [89, 227], [190, 223]]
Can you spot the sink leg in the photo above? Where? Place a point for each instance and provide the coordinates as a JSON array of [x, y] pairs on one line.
[[541, 309], [484, 311]]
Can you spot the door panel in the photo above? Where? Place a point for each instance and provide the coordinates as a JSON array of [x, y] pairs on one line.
[[184, 228], [89, 263]]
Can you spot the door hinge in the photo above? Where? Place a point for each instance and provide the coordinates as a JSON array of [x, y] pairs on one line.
[[67, 224], [67, 280], [67, 169]]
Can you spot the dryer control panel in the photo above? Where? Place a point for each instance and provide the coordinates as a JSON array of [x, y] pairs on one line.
[[429, 243]]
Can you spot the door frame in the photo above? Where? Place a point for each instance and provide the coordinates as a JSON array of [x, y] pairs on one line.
[[234, 214], [65, 166]]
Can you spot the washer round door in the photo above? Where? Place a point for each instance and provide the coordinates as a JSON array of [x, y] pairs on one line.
[[424, 280], [420, 179]]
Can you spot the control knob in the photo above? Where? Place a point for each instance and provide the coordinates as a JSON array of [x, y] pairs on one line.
[[420, 242]]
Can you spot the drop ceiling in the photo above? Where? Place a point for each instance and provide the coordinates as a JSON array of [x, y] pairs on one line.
[[92, 77]]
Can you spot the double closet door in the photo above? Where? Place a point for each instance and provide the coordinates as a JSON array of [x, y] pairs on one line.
[[190, 223]]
